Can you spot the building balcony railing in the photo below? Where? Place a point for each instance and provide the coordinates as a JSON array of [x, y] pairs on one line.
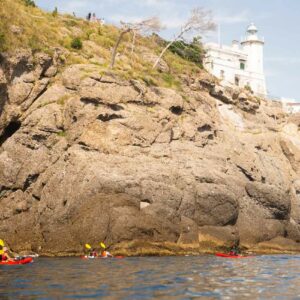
[[258, 38]]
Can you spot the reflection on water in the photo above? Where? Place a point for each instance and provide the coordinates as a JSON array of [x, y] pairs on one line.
[[205, 277]]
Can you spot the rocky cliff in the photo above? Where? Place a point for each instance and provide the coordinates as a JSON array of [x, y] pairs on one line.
[[86, 156]]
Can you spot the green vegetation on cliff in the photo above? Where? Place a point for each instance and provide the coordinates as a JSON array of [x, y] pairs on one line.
[[23, 25], [190, 51]]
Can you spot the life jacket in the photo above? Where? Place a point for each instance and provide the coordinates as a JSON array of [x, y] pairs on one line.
[[3, 257], [93, 253], [104, 254]]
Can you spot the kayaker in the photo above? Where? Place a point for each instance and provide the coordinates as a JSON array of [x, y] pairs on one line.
[[90, 252], [1, 253], [5, 255], [93, 253], [235, 249], [106, 254]]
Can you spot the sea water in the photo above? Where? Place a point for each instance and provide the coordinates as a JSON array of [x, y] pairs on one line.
[[194, 277]]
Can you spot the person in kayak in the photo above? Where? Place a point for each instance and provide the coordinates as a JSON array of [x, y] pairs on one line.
[[235, 249], [90, 252], [93, 253], [106, 254], [1, 253], [4, 254]]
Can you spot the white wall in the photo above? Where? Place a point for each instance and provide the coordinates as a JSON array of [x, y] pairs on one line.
[[227, 60], [254, 51], [224, 62]]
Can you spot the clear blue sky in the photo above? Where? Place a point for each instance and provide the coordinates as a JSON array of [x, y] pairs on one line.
[[277, 21]]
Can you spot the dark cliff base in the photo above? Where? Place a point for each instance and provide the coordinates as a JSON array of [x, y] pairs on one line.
[[142, 248]]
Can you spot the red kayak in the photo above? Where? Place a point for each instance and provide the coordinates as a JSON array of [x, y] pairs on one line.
[[23, 261], [230, 256]]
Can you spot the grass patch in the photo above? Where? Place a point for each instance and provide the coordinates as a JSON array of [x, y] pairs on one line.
[[73, 59], [170, 81], [3, 46], [71, 22], [62, 100], [149, 81], [66, 31], [62, 133], [76, 43]]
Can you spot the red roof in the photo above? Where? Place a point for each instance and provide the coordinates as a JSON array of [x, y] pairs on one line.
[[293, 104]]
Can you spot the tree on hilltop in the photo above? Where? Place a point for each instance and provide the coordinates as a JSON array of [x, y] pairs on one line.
[[191, 51], [148, 25], [200, 21], [29, 3]]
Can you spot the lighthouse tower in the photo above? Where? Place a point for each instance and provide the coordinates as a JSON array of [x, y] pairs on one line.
[[253, 46]]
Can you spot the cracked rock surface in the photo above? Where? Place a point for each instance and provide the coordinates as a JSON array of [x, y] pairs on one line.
[[87, 158]]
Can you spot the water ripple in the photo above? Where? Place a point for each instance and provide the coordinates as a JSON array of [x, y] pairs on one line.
[[205, 277]]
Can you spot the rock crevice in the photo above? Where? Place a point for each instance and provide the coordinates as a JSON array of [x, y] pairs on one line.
[[94, 158]]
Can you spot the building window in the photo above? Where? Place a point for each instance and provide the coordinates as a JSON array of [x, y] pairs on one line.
[[222, 74], [237, 80], [242, 65]]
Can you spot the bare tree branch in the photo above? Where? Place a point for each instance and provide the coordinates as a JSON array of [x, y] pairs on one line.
[[114, 53], [144, 26], [133, 42], [200, 21]]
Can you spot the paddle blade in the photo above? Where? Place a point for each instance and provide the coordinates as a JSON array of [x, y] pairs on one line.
[[102, 245], [88, 246], [1, 243]]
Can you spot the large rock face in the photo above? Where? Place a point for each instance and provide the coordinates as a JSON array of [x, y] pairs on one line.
[[87, 158]]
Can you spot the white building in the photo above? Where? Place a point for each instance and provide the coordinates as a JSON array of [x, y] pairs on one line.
[[290, 106], [240, 64]]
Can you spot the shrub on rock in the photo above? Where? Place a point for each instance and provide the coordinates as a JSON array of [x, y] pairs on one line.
[[76, 43]]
